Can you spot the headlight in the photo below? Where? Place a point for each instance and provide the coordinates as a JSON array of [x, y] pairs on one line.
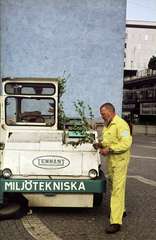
[[6, 173], [92, 173]]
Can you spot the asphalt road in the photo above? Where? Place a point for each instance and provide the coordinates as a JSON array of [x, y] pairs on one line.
[[87, 224]]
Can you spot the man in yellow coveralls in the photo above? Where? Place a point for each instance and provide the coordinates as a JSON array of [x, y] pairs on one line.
[[115, 146]]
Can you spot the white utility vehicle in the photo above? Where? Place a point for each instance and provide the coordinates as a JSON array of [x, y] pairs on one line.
[[34, 160]]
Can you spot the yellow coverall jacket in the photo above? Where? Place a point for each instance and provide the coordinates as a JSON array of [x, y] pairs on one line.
[[117, 137]]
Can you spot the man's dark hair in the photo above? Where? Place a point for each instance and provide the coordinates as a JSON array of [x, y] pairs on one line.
[[109, 106]]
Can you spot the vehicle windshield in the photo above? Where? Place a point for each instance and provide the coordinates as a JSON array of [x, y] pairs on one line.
[[30, 111]]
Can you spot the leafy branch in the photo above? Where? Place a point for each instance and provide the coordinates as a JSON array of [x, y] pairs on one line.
[[61, 90], [83, 128]]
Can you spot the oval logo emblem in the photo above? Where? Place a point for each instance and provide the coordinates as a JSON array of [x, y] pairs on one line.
[[51, 162]]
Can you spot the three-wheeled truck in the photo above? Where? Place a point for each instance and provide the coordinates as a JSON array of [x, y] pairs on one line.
[[34, 161]]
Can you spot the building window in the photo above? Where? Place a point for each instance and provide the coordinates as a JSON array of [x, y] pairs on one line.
[[139, 46], [126, 36], [146, 37], [124, 55], [125, 45]]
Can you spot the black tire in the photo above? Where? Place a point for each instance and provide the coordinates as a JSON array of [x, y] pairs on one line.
[[11, 211], [14, 208], [97, 199]]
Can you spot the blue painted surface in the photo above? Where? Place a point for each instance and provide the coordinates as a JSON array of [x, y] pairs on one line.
[[84, 37]]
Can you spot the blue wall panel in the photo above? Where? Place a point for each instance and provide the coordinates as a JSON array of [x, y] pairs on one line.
[[83, 37]]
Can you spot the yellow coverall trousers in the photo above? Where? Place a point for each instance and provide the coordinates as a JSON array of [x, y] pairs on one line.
[[117, 137]]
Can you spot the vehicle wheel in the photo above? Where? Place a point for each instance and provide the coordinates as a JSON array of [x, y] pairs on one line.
[[14, 207], [10, 211], [97, 199]]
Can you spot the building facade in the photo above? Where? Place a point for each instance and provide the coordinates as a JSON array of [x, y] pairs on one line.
[[139, 99], [139, 90], [45, 38], [139, 102], [140, 44]]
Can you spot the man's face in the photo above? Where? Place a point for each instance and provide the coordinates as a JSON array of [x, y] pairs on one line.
[[105, 114]]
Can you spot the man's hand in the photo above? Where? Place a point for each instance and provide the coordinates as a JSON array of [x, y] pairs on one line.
[[97, 146], [104, 151]]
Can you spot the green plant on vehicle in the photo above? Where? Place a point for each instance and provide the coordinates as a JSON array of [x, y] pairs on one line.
[[61, 90], [83, 128]]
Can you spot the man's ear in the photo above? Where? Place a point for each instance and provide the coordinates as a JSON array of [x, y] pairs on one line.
[[111, 111]]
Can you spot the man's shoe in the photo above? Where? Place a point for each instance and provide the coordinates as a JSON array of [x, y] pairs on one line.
[[124, 214], [113, 228]]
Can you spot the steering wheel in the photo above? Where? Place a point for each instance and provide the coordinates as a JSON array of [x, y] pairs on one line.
[[33, 119]]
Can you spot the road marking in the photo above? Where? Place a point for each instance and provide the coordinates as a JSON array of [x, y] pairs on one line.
[[135, 145], [142, 157], [142, 179], [37, 229], [143, 141]]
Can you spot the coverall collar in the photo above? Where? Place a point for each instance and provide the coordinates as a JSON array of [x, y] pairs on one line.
[[114, 121]]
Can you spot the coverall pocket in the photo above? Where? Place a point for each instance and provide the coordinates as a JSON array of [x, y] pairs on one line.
[[110, 137], [119, 157], [119, 162]]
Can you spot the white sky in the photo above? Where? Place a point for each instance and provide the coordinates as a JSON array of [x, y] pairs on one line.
[[141, 10]]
